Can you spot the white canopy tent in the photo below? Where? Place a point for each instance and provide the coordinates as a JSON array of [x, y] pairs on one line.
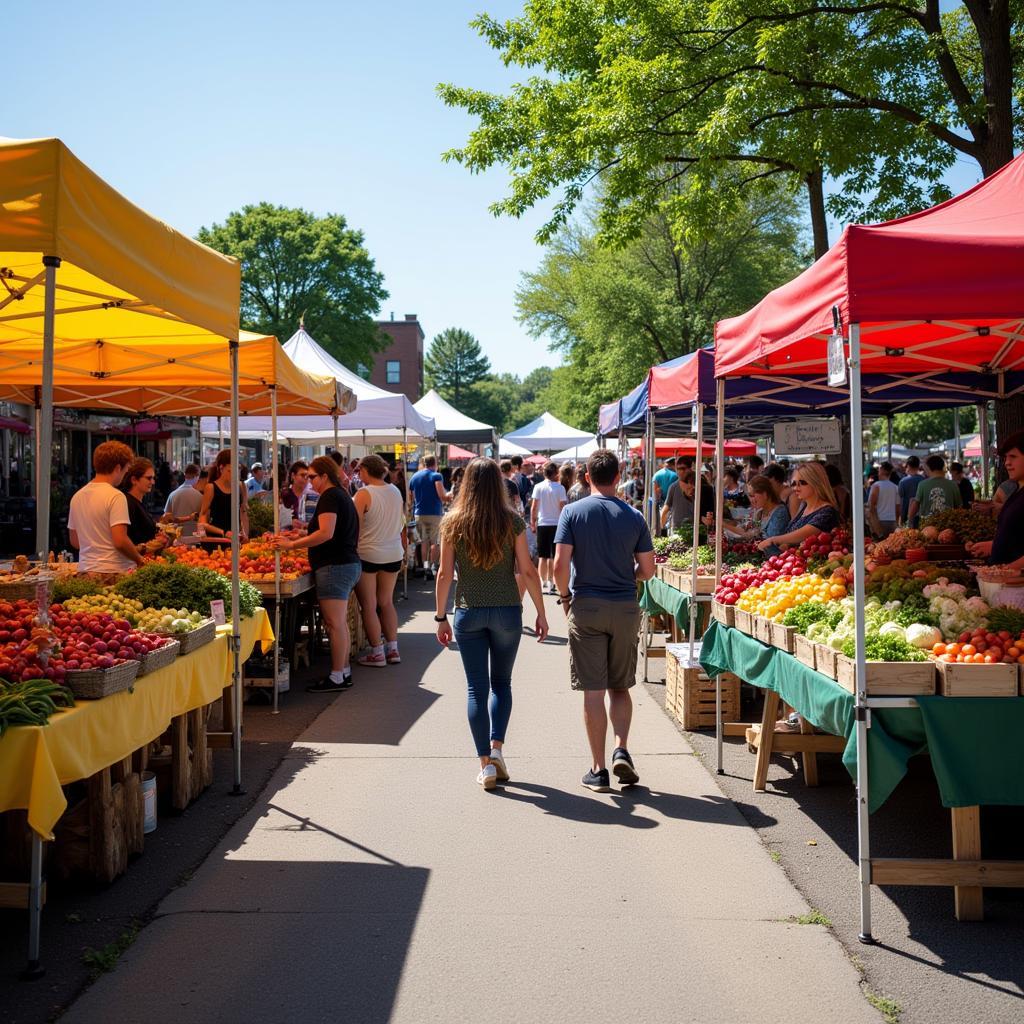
[[578, 453], [379, 416], [452, 426], [506, 449], [548, 433]]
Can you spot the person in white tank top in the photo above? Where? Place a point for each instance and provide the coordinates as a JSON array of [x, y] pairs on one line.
[[382, 543]]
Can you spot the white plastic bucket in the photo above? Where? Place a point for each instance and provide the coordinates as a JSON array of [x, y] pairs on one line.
[[148, 802]]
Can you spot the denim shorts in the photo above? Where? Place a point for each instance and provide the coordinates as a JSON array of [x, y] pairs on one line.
[[335, 582]]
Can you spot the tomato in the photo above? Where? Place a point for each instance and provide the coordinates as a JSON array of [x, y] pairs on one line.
[[969, 649], [939, 649]]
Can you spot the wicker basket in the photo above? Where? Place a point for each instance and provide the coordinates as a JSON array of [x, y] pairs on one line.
[[194, 638], [26, 590], [93, 683], [160, 658]]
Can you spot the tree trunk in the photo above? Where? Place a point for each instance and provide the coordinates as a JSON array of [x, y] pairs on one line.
[[993, 27], [819, 222]]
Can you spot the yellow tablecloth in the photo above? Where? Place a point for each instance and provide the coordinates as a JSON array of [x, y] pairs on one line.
[[35, 761]]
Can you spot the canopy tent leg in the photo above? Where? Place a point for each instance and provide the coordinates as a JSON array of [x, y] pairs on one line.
[[983, 439], [44, 433], [698, 467], [719, 543], [7, 461], [34, 969], [860, 688], [277, 529], [956, 434], [334, 417], [888, 434], [236, 628], [220, 433], [650, 514]]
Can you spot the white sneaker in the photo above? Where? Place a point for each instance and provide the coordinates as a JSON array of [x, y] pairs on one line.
[[488, 777], [498, 760]]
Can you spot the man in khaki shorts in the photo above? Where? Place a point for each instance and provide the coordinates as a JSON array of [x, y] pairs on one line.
[[606, 546], [427, 497]]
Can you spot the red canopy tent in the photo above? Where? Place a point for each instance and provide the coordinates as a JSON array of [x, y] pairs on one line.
[[926, 294], [665, 448], [457, 454]]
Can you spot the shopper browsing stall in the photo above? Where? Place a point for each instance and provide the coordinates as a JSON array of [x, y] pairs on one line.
[[292, 493], [333, 540], [818, 511], [678, 508], [935, 493], [382, 544], [549, 498], [428, 498], [139, 479], [771, 515], [98, 518], [1008, 546], [185, 501]]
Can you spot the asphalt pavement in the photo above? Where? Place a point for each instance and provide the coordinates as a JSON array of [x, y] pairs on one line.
[[374, 881]]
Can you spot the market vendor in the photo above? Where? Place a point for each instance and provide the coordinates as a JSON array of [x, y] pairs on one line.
[[771, 516], [678, 505], [818, 511], [215, 513], [138, 481], [293, 493], [98, 518], [1008, 546]]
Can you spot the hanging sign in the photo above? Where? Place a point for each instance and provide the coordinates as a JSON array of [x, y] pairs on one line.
[[694, 418], [808, 437], [836, 361]]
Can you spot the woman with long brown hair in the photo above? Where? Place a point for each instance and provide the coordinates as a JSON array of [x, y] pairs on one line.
[[332, 540], [215, 512], [818, 511], [485, 540]]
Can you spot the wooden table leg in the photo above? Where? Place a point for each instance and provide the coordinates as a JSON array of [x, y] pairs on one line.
[[969, 899], [764, 749], [809, 756], [180, 767]]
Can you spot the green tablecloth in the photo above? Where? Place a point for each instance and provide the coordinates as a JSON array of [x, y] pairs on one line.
[[658, 598], [974, 742]]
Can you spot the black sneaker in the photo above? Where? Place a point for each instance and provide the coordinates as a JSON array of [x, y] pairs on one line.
[[622, 767], [328, 685], [597, 781]]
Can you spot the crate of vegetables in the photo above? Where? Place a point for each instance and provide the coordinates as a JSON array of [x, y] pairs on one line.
[[825, 659], [157, 657], [803, 650], [743, 621], [724, 613], [981, 663], [763, 629], [95, 683], [894, 667], [783, 637]]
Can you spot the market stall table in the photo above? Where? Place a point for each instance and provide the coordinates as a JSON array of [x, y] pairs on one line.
[[952, 730], [37, 761]]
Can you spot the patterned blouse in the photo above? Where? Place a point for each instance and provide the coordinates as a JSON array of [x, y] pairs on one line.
[[488, 588]]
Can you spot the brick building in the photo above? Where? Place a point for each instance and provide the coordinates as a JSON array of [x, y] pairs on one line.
[[399, 367]]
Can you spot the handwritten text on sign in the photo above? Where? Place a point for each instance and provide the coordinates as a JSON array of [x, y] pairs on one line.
[[808, 437]]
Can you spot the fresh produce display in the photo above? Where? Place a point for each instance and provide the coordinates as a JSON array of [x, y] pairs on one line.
[[839, 627], [261, 517], [824, 545], [803, 616], [1006, 620], [898, 542], [956, 611], [74, 586], [900, 579], [173, 585], [885, 647], [958, 526], [742, 551], [32, 701], [148, 620], [791, 563], [256, 561], [706, 560], [675, 544], [982, 647], [774, 599]]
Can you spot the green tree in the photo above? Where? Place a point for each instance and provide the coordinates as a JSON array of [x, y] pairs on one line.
[[454, 364], [880, 97], [494, 399], [924, 429], [297, 265], [612, 313]]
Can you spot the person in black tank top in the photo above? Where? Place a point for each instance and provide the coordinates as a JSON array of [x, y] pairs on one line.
[[215, 513]]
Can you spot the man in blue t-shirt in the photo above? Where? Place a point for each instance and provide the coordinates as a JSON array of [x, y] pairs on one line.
[[606, 547], [427, 497], [908, 490]]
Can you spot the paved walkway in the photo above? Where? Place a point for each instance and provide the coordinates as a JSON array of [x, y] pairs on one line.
[[375, 882]]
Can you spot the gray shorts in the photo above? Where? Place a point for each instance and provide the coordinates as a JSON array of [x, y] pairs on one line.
[[603, 643], [429, 528]]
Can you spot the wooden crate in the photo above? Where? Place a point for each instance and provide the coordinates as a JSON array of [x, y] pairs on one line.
[[705, 584], [825, 659], [804, 650], [957, 680], [763, 629], [743, 621], [889, 678], [690, 695], [724, 613], [783, 637]]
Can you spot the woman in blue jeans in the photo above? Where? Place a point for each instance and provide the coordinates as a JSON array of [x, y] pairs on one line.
[[485, 540]]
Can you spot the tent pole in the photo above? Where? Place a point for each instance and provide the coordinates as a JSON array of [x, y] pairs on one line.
[[236, 628], [277, 529], [956, 434], [650, 515], [220, 434], [698, 466], [334, 416], [861, 711], [719, 541], [984, 442], [888, 431], [44, 437]]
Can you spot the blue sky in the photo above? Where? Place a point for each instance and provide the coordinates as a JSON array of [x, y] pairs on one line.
[[194, 109]]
